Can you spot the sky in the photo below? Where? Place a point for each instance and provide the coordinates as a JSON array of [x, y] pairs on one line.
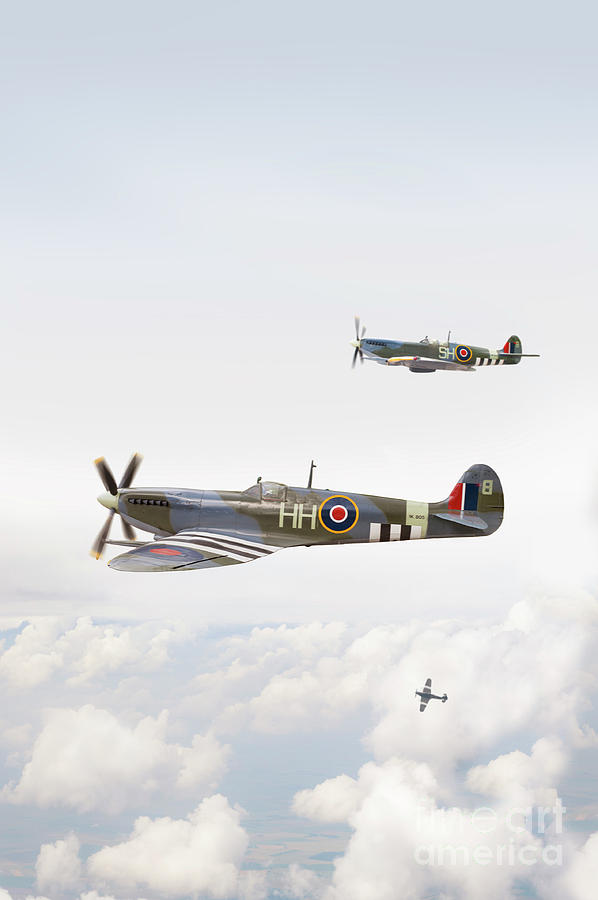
[[196, 201]]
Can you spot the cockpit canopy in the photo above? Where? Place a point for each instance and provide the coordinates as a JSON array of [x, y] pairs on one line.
[[267, 490]]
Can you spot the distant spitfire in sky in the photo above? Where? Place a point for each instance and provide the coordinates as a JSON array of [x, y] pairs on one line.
[[430, 356]]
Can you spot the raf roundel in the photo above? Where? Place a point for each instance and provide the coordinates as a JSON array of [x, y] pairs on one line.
[[463, 353], [338, 514]]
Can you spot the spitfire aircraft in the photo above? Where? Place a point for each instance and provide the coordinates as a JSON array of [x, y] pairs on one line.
[[199, 529], [427, 695], [429, 356]]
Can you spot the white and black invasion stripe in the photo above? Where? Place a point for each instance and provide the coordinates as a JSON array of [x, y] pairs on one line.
[[208, 542], [486, 361], [387, 532]]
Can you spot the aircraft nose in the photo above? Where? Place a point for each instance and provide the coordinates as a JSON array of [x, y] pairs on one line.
[[110, 501], [355, 344]]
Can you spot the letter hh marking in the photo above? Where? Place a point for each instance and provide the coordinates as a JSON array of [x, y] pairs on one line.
[[292, 515], [313, 515]]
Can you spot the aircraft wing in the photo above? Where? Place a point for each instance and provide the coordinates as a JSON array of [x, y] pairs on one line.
[[191, 550], [427, 691], [425, 364]]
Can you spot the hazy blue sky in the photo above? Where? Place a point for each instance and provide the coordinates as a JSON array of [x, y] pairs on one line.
[[195, 201]]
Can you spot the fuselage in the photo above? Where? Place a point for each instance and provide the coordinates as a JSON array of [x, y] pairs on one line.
[[286, 516], [466, 355]]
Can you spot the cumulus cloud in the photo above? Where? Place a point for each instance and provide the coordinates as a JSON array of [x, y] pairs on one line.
[[299, 883], [333, 800], [4, 895], [405, 843], [87, 759], [522, 777], [33, 657], [85, 651], [520, 694], [491, 672], [175, 857], [285, 679], [58, 866], [247, 664], [581, 878], [411, 834], [86, 895], [529, 672]]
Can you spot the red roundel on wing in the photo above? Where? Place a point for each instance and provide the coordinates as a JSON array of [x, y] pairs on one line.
[[338, 513], [166, 551]]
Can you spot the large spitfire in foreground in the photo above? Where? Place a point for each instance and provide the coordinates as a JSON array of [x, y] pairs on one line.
[[198, 529]]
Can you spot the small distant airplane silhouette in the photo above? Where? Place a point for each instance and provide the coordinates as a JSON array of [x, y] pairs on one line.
[[427, 694]]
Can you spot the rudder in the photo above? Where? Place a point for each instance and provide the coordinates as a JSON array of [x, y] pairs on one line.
[[513, 348], [475, 505]]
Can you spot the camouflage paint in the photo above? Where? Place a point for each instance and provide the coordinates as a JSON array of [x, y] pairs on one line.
[[194, 528], [430, 356]]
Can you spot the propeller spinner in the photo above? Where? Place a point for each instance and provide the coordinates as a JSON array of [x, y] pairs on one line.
[[357, 343], [110, 499]]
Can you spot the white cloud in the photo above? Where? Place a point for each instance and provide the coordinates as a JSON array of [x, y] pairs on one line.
[[87, 759], [85, 651], [490, 672], [176, 857], [93, 895], [252, 885], [33, 657], [247, 665], [99, 650], [406, 843], [279, 680], [202, 764], [300, 884], [58, 866], [86, 895], [581, 878], [514, 774], [516, 729], [533, 674], [4, 895], [334, 800], [500, 679], [14, 736]]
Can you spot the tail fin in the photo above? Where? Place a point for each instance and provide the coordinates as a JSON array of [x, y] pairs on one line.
[[513, 345], [513, 351], [474, 506]]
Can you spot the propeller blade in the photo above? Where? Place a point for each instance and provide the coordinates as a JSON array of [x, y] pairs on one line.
[[362, 333], [355, 355], [128, 530], [357, 327], [106, 475], [109, 483], [98, 545], [130, 471]]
